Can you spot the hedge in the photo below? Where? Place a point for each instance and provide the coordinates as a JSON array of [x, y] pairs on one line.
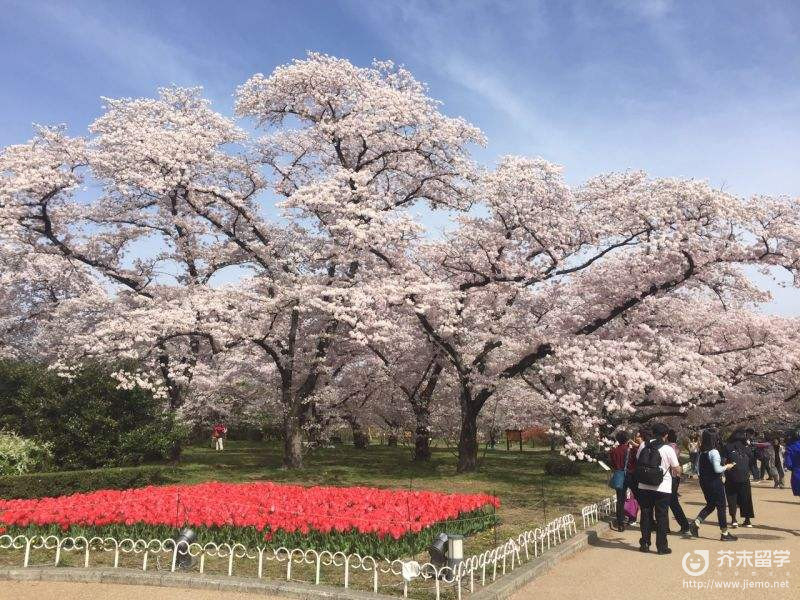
[[62, 483], [562, 467]]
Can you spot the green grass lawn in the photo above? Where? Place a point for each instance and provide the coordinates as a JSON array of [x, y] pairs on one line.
[[528, 496]]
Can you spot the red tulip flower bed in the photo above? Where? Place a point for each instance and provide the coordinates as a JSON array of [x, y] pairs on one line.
[[380, 522]]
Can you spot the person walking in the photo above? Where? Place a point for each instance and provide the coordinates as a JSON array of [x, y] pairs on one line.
[[656, 465], [709, 474], [674, 502], [694, 453], [218, 435], [767, 452], [792, 460], [623, 461], [737, 480], [749, 437], [779, 450]]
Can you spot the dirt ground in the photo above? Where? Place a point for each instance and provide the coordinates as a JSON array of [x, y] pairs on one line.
[[615, 568]]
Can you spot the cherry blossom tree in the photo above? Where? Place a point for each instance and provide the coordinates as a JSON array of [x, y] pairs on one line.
[[414, 366], [347, 151], [288, 272], [550, 280]]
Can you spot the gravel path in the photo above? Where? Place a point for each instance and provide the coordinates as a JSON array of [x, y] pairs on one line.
[[614, 567]]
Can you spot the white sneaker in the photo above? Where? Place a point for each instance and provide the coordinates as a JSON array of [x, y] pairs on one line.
[[733, 525]]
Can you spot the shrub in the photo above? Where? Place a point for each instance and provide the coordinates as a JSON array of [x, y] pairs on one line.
[[562, 466], [20, 455], [61, 483], [151, 442], [88, 421]]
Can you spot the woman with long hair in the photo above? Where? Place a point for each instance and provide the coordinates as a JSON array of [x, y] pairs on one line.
[[737, 480], [710, 470]]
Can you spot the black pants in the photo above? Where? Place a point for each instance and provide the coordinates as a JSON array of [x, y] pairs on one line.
[[621, 497], [675, 505], [740, 497], [634, 485], [655, 515], [779, 469], [714, 493], [768, 466], [754, 469]]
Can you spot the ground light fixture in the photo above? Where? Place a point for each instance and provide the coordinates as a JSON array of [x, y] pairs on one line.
[[438, 550], [183, 539], [455, 550], [447, 549]]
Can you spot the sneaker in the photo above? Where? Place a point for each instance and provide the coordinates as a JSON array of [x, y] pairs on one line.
[[733, 525], [747, 523], [644, 547], [694, 530], [665, 551], [728, 537]]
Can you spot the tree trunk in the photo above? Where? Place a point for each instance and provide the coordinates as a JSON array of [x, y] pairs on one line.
[[360, 437], [292, 440], [175, 451], [392, 440], [471, 406], [422, 434], [468, 442]]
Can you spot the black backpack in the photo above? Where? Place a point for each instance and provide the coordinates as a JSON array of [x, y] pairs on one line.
[[648, 465], [741, 456]]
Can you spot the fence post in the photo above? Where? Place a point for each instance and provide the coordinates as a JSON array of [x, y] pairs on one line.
[[27, 557]]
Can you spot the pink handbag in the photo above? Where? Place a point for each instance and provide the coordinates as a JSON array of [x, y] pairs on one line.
[[631, 507]]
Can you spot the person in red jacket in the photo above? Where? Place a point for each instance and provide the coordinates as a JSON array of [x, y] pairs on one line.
[[217, 435]]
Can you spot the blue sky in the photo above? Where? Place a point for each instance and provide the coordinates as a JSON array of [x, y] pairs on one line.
[[694, 89]]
